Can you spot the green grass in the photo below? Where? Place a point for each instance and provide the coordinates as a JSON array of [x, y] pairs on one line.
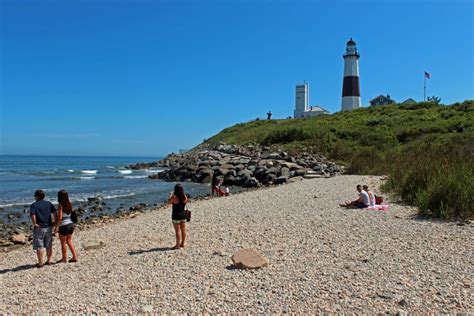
[[427, 149]]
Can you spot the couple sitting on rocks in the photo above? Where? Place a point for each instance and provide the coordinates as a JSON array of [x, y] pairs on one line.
[[366, 198]]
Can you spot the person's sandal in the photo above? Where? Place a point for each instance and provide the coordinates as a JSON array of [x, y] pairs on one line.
[[73, 260], [38, 265]]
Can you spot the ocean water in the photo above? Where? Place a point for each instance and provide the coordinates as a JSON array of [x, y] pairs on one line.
[[82, 177]]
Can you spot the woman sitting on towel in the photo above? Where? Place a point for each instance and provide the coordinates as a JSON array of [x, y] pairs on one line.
[[371, 195]]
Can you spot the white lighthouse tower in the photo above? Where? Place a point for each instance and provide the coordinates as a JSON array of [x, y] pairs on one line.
[[301, 100], [351, 85]]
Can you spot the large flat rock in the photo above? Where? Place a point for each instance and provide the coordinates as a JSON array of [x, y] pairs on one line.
[[249, 259]]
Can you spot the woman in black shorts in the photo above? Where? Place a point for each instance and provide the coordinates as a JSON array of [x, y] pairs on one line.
[[65, 226], [178, 216]]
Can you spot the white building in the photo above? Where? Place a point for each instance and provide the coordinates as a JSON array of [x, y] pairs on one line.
[[302, 109]]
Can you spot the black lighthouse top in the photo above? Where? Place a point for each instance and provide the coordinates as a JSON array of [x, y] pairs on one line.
[[351, 49]]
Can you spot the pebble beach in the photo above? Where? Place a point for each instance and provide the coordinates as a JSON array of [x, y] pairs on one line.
[[322, 259]]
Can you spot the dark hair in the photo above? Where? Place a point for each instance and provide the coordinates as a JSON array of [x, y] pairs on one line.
[[365, 187], [63, 200], [358, 186], [39, 194], [214, 179], [179, 193]]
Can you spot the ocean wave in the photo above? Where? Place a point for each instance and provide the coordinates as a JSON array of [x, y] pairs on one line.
[[89, 171], [87, 178], [134, 177], [86, 196], [125, 171], [19, 203], [70, 170], [110, 167], [153, 170]]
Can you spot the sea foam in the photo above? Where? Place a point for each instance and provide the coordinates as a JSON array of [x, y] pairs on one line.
[[89, 171]]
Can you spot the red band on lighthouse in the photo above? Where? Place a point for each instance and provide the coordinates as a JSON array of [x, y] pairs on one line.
[[350, 87]]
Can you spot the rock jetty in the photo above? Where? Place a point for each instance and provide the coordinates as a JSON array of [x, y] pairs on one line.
[[246, 166]]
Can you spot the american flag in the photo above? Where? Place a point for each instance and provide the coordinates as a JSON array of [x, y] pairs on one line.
[[427, 75]]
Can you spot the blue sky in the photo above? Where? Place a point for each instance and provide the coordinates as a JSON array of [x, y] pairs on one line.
[[144, 78]]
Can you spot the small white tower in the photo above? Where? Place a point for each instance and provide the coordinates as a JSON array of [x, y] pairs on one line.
[[351, 85], [301, 101]]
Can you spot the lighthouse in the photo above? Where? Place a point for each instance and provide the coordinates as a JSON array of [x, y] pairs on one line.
[[350, 85]]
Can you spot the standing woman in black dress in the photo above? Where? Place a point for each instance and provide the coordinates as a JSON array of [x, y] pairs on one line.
[[178, 201]]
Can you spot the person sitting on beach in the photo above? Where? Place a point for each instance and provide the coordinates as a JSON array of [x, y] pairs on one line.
[[214, 184], [40, 213], [371, 195], [178, 216], [65, 226], [361, 202]]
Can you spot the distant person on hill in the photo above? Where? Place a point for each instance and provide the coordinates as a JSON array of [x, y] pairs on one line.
[[178, 201], [371, 195], [65, 226], [41, 213], [361, 202]]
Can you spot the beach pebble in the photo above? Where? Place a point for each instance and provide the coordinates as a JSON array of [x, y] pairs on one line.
[[146, 309]]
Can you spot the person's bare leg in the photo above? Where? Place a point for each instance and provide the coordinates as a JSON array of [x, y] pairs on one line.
[[49, 253], [39, 254], [183, 234], [177, 233], [71, 247], [63, 248]]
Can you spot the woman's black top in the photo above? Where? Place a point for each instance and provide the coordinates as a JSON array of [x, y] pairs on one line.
[[178, 212]]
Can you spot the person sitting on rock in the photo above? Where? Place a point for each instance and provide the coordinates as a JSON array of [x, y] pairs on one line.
[[361, 202], [371, 195]]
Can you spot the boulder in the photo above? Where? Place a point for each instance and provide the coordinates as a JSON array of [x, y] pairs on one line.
[[229, 179], [273, 170], [271, 156], [18, 239], [284, 172], [280, 180], [248, 259], [239, 167], [245, 173], [269, 178], [299, 172], [295, 179], [251, 183]]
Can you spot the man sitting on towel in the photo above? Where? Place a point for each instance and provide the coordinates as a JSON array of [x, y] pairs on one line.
[[361, 202]]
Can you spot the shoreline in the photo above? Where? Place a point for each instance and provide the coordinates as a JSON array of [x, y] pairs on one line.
[[322, 259]]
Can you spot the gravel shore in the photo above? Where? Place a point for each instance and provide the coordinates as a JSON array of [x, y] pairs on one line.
[[322, 258]]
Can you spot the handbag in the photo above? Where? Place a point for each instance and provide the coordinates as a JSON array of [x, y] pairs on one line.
[[188, 214], [74, 218]]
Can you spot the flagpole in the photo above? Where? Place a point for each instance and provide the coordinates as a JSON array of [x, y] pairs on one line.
[[424, 87]]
